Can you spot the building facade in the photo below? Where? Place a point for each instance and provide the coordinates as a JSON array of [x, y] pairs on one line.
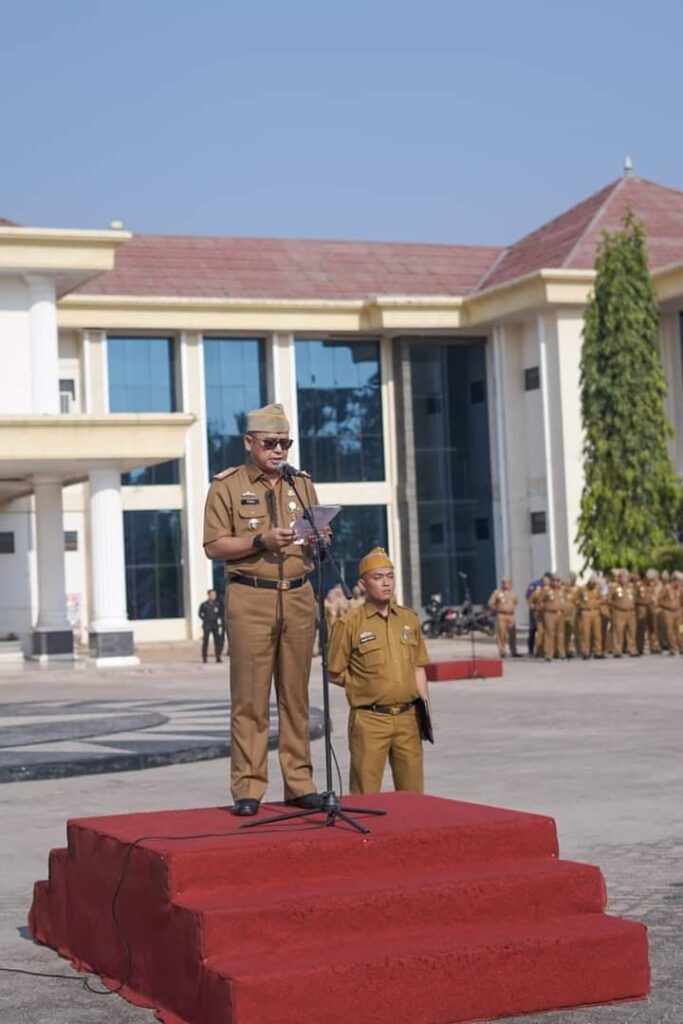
[[433, 393]]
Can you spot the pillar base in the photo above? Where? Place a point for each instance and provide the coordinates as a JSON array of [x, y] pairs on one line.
[[112, 648], [53, 645]]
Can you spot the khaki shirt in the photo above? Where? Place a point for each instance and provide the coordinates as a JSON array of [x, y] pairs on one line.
[[503, 601], [241, 503], [552, 599], [378, 656], [587, 599], [623, 597]]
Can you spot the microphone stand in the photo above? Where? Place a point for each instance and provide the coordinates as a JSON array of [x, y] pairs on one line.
[[331, 804], [474, 672]]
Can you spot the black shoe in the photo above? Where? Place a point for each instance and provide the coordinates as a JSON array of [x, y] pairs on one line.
[[245, 808], [219, 661], [309, 802], [204, 661]]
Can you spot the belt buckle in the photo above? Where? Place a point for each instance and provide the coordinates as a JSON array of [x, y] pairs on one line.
[[395, 709], [283, 585]]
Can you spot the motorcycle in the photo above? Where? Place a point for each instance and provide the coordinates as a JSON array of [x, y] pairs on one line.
[[441, 619], [469, 620], [452, 621]]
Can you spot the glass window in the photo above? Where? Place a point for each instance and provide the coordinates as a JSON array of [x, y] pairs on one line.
[[234, 382], [356, 530], [6, 543], [142, 379], [154, 576], [340, 410], [453, 469]]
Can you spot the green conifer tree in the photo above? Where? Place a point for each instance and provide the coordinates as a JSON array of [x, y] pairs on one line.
[[631, 497]]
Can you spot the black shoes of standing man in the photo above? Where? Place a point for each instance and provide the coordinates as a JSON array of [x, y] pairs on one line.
[[247, 807]]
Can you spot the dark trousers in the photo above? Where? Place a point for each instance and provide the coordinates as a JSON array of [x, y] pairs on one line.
[[217, 635]]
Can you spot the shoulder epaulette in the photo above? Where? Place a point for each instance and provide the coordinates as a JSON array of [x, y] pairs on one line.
[[225, 473], [304, 472]]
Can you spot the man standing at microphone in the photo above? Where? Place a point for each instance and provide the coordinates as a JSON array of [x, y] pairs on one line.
[[270, 611]]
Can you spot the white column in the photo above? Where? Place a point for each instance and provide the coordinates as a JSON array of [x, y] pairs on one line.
[[283, 372], [53, 636], [501, 434], [549, 435], [111, 635], [43, 345]]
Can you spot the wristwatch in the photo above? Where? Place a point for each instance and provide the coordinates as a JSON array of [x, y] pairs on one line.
[[258, 542]]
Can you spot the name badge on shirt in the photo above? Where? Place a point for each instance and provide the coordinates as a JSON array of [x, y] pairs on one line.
[[250, 501], [364, 637]]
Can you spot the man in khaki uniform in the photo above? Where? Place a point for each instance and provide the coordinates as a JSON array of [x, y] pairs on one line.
[[377, 654], [646, 612], [503, 602], [552, 604], [623, 615], [669, 612], [535, 602], [570, 588], [270, 611], [587, 602]]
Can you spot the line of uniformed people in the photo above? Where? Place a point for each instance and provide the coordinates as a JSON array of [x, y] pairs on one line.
[[620, 613]]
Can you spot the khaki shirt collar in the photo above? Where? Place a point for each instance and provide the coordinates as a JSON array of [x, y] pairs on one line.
[[254, 473], [371, 610]]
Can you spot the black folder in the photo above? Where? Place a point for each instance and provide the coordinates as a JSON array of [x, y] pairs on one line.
[[425, 719]]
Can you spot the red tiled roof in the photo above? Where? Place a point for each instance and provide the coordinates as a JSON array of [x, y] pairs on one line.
[[571, 239], [262, 268], [157, 265]]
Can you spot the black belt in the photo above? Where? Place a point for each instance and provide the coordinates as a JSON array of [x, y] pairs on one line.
[[388, 709], [254, 581]]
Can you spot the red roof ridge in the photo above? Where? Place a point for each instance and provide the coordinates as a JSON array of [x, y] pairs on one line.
[[492, 269], [601, 210]]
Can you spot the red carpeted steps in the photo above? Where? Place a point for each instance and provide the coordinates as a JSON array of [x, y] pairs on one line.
[[447, 912]]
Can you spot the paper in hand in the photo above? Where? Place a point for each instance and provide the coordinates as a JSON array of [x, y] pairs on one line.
[[322, 517]]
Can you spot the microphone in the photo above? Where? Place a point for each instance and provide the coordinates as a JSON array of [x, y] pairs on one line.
[[288, 472]]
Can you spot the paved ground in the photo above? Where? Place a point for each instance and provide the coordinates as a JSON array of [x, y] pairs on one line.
[[595, 745]]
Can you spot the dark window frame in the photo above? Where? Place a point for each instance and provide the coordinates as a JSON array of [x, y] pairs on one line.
[[7, 542]]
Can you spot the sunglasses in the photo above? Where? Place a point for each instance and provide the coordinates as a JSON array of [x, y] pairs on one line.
[[271, 443]]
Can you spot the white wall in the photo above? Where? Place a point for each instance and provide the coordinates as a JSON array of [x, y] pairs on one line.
[[15, 349]]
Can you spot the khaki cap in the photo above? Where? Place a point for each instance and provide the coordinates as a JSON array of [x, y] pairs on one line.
[[271, 419], [375, 559]]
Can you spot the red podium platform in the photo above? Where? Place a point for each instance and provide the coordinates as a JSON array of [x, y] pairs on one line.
[[464, 668], [447, 912]]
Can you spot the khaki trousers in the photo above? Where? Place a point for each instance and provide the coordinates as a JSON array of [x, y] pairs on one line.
[[374, 737], [646, 626], [270, 633], [591, 631], [623, 629], [553, 634], [669, 621], [506, 633]]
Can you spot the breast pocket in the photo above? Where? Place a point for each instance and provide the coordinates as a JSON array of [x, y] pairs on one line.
[[408, 640], [251, 519], [371, 654]]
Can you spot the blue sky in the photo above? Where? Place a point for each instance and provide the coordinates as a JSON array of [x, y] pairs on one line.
[[415, 121]]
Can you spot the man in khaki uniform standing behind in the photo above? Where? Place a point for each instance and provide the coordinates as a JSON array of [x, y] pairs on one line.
[[503, 602], [587, 602], [270, 611], [623, 611], [669, 611], [377, 654]]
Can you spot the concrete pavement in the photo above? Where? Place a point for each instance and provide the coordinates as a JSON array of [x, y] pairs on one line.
[[596, 745]]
